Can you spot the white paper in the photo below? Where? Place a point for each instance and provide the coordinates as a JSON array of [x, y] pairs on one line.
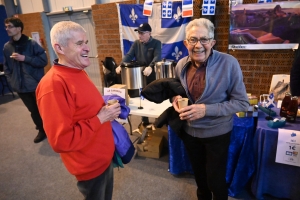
[[288, 147], [115, 91], [119, 92], [36, 37]]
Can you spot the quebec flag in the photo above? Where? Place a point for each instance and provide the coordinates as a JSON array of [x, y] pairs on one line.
[[270, 101], [170, 31]]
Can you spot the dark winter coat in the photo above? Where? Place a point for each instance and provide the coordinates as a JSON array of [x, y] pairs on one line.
[[160, 90], [295, 75], [24, 76]]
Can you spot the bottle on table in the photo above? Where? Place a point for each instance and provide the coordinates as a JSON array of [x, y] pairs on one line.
[[285, 104], [291, 113]]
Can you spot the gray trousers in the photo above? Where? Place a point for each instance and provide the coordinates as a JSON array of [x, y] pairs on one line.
[[99, 188]]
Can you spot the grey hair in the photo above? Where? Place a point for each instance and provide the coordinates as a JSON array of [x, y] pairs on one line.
[[200, 22], [62, 31]]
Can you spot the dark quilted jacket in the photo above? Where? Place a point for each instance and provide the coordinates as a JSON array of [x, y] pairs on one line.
[[160, 90]]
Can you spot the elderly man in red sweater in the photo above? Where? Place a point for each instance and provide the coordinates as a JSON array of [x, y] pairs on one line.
[[76, 119]]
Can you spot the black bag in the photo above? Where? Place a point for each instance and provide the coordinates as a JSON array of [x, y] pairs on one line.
[[112, 77]]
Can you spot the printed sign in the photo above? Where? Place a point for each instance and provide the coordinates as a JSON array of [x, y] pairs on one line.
[[288, 147], [119, 92]]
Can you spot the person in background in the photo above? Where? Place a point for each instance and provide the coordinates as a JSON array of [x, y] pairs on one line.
[[214, 84], [78, 123], [295, 76], [147, 51], [24, 62]]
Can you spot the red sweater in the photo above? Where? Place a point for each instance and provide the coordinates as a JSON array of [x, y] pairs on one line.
[[68, 102]]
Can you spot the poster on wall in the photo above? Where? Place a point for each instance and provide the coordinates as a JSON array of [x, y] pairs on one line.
[[265, 26]]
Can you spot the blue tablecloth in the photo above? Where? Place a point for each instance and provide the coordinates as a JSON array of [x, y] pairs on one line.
[[240, 165], [276, 179]]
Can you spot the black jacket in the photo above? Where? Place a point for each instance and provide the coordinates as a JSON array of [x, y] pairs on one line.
[[160, 90], [24, 76]]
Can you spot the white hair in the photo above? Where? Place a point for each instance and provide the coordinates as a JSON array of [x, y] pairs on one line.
[[62, 31], [198, 23]]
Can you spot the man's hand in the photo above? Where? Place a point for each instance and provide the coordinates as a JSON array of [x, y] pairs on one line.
[[147, 71], [17, 57], [109, 113], [175, 102], [192, 112], [118, 69]]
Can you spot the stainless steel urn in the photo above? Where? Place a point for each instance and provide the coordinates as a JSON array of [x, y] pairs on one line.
[[165, 69], [132, 76]]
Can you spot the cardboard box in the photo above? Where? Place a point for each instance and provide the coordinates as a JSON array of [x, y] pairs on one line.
[[151, 130], [151, 147], [120, 86], [163, 131]]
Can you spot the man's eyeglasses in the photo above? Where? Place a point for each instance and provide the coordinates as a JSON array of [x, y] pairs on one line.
[[193, 41], [9, 27]]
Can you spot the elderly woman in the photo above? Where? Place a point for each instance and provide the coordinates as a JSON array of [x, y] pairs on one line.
[[213, 82]]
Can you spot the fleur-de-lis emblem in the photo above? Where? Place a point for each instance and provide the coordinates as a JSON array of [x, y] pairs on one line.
[[177, 53], [133, 16], [177, 15]]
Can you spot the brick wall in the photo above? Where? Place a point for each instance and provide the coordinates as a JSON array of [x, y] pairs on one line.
[[33, 23], [258, 66], [106, 21]]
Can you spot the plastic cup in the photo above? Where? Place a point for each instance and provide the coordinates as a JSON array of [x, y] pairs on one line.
[[183, 102], [112, 101]]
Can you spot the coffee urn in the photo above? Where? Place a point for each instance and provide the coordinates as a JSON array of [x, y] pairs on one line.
[[165, 69], [132, 76]]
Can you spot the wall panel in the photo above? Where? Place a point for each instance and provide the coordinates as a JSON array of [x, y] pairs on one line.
[[57, 5]]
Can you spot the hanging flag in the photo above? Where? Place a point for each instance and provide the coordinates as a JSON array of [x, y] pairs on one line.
[[187, 8], [148, 7], [264, 1], [209, 7], [166, 9], [170, 31], [270, 102]]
